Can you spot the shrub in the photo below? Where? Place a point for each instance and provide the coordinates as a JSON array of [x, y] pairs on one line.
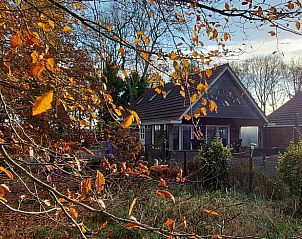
[[290, 166], [212, 165]]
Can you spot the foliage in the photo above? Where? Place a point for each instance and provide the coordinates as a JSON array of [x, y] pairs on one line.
[[123, 146], [290, 166], [212, 165]]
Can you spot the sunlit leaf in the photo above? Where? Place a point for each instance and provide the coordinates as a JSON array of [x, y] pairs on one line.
[[50, 64], [170, 224], [212, 106], [197, 113], [15, 41], [107, 27], [67, 29], [99, 182], [165, 194], [193, 98], [131, 206], [128, 121], [298, 25], [37, 69], [35, 57], [187, 117], [173, 56], [203, 110], [204, 102], [8, 173], [208, 72], [182, 93], [211, 212], [42, 103], [73, 212], [163, 183]]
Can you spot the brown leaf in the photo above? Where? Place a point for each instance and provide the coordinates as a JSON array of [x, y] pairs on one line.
[[15, 41], [42, 103], [50, 64], [37, 69], [163, 183], [170, 224], [87, 151], [73, 213], [99, 182], [211, 212], [165, 194]]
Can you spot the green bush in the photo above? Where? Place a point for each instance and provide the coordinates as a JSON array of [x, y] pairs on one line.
[[290, 166], [212, 165]]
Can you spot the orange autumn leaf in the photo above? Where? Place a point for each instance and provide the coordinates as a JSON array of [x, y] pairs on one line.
[[15, 41], [183, 222], [8, 173], [99, 182], [2, 192], [87, 186], [211, 212], [208, 72], [163, 183], [203, 110], [135, 115], [50, 64], [42, 103], [165, 194], [128, 121], [122, 51], [170, 224], [173, 56], [201, 87], [197, 113], [87, 151], [37, 69], [67, 29], [212, 106], [187, 117], [73, 213]]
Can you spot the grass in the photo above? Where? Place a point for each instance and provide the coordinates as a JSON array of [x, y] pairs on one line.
[[240, 214]]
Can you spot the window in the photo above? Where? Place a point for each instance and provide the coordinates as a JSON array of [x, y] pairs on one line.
[[175, 130], [218, 132], [186, 137], [142, 134], [160, 135]]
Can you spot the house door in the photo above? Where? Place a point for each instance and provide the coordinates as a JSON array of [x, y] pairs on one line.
[[218, 132]]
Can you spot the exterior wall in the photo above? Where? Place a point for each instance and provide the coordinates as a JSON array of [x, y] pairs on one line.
[[278, 136]]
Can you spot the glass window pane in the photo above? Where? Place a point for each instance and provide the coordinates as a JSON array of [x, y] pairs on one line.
[[186, 138], [175, 137]]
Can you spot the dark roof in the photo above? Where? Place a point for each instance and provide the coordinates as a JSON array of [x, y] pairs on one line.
[[284, 115], [174, 105]]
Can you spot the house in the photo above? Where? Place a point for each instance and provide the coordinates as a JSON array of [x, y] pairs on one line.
[[281, 128], [163, 118]]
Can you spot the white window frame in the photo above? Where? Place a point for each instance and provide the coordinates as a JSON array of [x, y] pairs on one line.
[[218, 125], [181, 136], [142, 134]]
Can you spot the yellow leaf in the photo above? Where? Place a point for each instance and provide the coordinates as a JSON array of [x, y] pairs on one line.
[[42, 103], [15, 41], [165, 194], [50, 64], [145, 56], [131, 206], [140, 33], [203, 110], [193, 98], [128, 121], [67, 29], [107, 27], [137, 40], [187, 117], [99, 182], [35, 57], [208, 72], [170, 224], [211, 212], [196, 113], [212, 106], [51, 23], [194, 54], [146, 40], [84, 123], [175, 65], [83, 229], [173, 56], [182, 93], [204, 102], [8, 173], [201, 87], [73, 213], [135, 115], [185, 63], [37, 69]]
